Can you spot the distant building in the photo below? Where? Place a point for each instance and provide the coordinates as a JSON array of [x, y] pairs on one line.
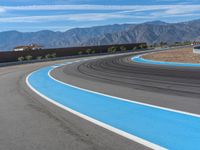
[[28, 47], [20, 48], [35, 47], [195, 43]]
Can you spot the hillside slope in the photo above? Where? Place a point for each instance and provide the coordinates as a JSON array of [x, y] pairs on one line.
[[149, 32]]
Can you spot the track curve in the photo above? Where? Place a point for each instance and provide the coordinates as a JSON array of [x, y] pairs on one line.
[[166, 86], [30, 122]]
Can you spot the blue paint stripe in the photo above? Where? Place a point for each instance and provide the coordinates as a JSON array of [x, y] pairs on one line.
[[165, 128], [139, 59]]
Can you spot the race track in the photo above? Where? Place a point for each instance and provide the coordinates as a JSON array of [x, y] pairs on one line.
[[171, 87], [167, 86], [31, 122], [28, 121]]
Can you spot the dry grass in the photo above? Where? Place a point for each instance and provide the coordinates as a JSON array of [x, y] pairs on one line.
[[180, 55]]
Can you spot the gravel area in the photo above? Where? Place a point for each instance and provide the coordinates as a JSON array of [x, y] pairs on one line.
[[180, 55]]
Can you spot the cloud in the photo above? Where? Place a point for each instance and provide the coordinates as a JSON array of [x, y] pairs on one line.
[[2, 9], [98, 7], [71, 17], [166, 9], [82, 7], [183, 10], [112, 12]]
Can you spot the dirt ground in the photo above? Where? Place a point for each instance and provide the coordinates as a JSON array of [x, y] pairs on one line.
[[180, 55]]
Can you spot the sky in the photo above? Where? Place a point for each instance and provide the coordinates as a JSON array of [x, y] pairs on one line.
[[61, 15]]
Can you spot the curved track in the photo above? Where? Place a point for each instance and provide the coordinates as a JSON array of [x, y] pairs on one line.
[[30, 122], [171, 87], [122, 71]]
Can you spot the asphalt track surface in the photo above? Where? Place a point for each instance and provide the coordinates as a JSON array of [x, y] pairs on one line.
[[167, 86], [170, 87], [29, 122]]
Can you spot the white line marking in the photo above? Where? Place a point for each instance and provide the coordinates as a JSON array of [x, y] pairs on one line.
[[127, 100], [106, 126]]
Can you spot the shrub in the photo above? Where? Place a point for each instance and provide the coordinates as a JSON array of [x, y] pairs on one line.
[[53, 55], [88, 51], [29, 57], [20, 58], [39, 57], [80, 53], [134, 48], [112, 49], [122, 48], [142, 46], [47, 56], [93, 52]]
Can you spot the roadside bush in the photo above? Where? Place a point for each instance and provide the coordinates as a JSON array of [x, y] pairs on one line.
[[142, 46], [20, 58], [80, 53], [47, 56], [29, 57], [134, 48], [53, 55], [39, 57], [112, 49], [93, 52], [88, 51], [122, 48]]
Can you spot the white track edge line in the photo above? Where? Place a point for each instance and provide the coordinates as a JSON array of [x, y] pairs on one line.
[[127, 100], [106, 126], [115, 130]]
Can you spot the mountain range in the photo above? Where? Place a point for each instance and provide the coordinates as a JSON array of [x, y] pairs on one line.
[[149, 32]]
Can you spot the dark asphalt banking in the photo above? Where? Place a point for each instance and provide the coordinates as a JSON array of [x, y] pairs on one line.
[[27, 121]]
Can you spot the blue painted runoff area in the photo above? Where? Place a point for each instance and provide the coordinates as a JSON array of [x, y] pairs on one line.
[[139, 59], [165, 128]]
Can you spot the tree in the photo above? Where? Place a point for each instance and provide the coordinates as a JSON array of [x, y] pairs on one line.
[[47, 56], [39, 57], [88, 51], [134, 48], [20, 58], [29, 57], [122, 48], [53, 55], [80, 53], [142, 46], [145, 46], [112, 49]]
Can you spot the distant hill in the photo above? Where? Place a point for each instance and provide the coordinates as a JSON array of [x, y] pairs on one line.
[[149, 32]]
